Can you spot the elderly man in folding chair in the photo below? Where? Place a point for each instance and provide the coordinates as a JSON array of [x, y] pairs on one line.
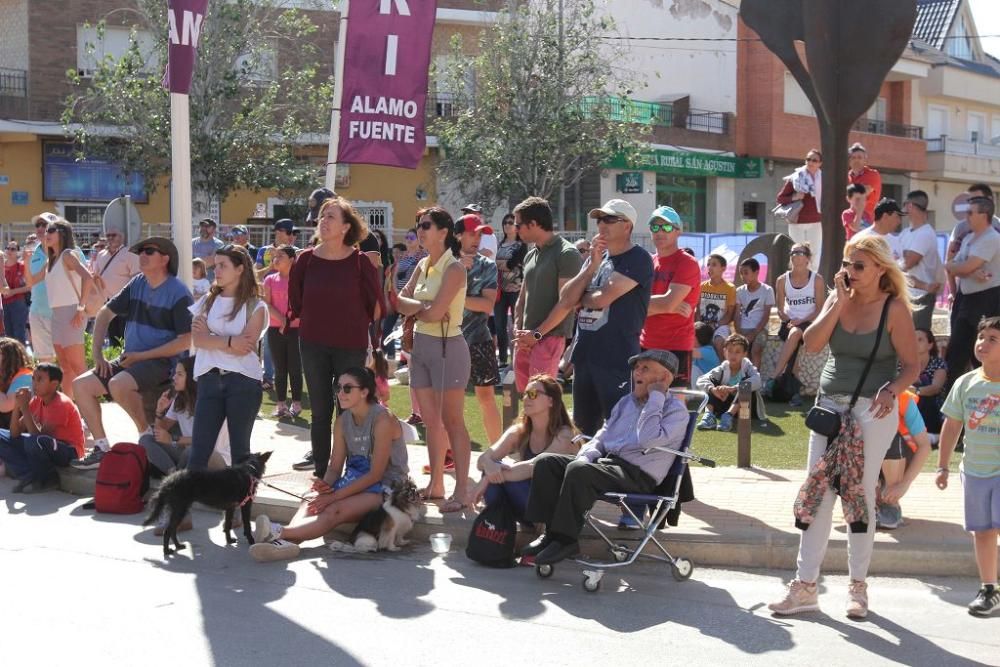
[[563, 487]]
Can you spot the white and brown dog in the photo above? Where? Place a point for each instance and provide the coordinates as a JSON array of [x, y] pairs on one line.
[[385, 528]]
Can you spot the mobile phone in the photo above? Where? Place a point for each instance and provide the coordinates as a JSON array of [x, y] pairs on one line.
[[847, 281]]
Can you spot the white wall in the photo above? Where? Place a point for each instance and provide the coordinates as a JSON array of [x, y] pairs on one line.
[[704, 70], [14, 34], [644, 201]]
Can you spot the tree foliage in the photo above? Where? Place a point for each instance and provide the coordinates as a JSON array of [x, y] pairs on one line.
[[535, 111], [246, 116]]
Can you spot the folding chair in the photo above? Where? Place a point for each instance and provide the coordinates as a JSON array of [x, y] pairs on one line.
[[661, 502]]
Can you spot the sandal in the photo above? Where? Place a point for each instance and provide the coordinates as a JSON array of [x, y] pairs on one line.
[[453, 504]]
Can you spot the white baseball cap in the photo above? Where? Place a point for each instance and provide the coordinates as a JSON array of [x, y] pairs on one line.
[[616, 207]]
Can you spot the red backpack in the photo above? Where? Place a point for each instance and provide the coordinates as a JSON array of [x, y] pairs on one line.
[[122, 480]]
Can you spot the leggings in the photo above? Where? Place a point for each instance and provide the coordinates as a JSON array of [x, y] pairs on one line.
[[504, 305], [287, 362]]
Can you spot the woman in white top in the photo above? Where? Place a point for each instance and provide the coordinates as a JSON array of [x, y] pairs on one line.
[[228, 324], [67, 283], [800, 295]]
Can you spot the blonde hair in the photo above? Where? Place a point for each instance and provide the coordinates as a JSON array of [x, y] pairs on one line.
[[893, 281]]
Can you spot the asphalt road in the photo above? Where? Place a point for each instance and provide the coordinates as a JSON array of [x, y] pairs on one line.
[[80, 589]]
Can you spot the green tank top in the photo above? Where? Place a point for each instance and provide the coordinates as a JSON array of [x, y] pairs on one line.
[[849, 353]]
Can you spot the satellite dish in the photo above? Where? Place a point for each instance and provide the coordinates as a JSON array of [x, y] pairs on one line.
[[960, 207], [122, 216]]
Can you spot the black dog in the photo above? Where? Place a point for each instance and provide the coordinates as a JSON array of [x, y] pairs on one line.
[[225, 489]]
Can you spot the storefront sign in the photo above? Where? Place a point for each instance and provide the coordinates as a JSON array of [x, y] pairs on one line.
[[687, 163], [629, 182], [385, 82], [66, 179], [4, 179], [19, 198]]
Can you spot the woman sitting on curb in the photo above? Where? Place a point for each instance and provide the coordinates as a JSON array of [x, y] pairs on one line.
[[368, 452], [544, 426]]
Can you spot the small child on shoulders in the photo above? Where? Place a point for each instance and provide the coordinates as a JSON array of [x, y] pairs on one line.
[[721, 385], [974, 404]]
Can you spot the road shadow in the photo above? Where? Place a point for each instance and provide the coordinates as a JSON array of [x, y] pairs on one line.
[[21, 503], [631, 600], [395, 596]]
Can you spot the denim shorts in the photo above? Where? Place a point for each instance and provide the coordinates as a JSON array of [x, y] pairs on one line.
[[982, 502]]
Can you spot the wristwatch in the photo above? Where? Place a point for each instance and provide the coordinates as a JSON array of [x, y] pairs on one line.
[[536, 334]]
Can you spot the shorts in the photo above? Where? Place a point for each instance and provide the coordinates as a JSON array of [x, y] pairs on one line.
[[982, 502], [898, 449], [722, 331], [41, 336], [485, 372], [541, 358], [64, 334], [785, 328], [149, 375], [437, 367]]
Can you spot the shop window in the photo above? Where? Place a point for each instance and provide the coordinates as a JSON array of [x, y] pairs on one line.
[[686, 195]]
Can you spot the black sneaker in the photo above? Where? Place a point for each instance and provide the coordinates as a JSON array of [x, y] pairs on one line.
[[307, 462], [986, 602], [91, 461], [536, 546]]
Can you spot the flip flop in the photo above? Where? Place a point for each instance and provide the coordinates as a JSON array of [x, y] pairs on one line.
[[427, 498], [453, 505]]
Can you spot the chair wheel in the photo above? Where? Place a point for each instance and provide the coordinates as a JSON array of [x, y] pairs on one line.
[[544, 571], [682, 568], [592, 582]]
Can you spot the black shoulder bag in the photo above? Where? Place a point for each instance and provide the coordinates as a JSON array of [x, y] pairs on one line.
[[825, 421]]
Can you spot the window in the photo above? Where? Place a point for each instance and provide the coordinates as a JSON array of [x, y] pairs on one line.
[[959, 45], [977, 128], [937, 121], [258, 67], [114, 43], [796, 101]]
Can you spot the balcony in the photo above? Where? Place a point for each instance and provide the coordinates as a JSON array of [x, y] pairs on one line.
[[962, 161], [13, 93], [872, 126]]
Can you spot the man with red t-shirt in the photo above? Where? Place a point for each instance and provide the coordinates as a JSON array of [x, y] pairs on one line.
[[45, 432], [860, 172], [675, 294]]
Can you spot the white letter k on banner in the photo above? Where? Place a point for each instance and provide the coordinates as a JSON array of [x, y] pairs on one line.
[[401, 7]]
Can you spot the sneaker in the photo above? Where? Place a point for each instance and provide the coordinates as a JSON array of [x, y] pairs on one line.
[[800, 597], [857, 599], [795, 401], [414, 419], [708, 422], [91, 461], [986, 602], [161, 524], [266, 552], [725, 423], [265, 530], [295, 410], [307, 462], [280, 411], [889, 517]]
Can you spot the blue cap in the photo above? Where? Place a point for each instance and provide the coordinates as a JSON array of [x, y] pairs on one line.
[[667, 214]]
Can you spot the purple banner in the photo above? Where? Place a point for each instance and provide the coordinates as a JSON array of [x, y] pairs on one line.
[[385, 82], [185, 19]]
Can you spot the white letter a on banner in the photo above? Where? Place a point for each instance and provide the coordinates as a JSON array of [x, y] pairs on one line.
[[401, 7]]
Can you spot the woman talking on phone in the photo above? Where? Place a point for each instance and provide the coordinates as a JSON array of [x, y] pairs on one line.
[[867, 322]]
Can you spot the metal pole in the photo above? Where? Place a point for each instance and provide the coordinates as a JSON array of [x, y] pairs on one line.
[[744, 396], [338, 98], [180, 182]]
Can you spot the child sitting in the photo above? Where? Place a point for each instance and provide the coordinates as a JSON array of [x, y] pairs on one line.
[[974, 404], [721, 386], [705, 355], [199, 278], [45, 432]]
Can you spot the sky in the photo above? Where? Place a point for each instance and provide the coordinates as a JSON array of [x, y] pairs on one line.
[[986, 14]]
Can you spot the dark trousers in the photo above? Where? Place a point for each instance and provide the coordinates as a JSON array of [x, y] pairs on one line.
[[923, 311], [232, 398], [34, 458], [287, 362], [388, 324], [564, 488], [596, 389], [514, 493], [504, 305], [15, 319], [718, 405], [968, 310], [322, 365]]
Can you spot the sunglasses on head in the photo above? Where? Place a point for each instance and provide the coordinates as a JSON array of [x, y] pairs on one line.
[[857, 266], [425, 225], [662, 227], [347, 388]]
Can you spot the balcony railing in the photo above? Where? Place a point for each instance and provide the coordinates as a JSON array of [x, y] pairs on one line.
[[13, 82], [630, 111], [441, 105], [951, 146], [872, 126], [701, 120]]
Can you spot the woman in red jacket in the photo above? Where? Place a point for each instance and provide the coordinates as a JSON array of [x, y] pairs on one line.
[[805, 184]]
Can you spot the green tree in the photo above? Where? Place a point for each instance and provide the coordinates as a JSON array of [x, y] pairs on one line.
[[247, 116], [541, 105]]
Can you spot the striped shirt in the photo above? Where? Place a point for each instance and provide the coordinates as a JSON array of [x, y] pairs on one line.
[[154, 317]]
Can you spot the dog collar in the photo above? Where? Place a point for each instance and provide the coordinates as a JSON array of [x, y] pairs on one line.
[[251, 492]]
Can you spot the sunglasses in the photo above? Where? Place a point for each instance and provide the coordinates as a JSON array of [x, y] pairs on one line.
[[813, 159], [800, 252], [347, 388], [609, 219], [149, 250], [662, 227], [425, 225], [532, 393], [411, 237], [857, 266], [40, 224], [51, 230]]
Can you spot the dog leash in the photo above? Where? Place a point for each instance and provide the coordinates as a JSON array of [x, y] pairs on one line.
[[278, 488]]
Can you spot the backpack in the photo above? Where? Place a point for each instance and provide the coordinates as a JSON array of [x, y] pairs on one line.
[[494, 532], [786, 385], [122, 480]]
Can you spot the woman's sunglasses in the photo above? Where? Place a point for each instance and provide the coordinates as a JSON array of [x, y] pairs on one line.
[[857, 266], [532, 393], [425, 225], [662, 227], [347, 388], [411, 237], [150, 250], [51, 230], [800, 252]]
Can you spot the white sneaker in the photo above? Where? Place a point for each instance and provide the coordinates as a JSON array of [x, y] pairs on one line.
[[265, 530], [266, 552], [800, 597], [857, 599]]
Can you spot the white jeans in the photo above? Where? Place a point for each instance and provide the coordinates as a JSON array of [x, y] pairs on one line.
[[811, 233], [877, 435]]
